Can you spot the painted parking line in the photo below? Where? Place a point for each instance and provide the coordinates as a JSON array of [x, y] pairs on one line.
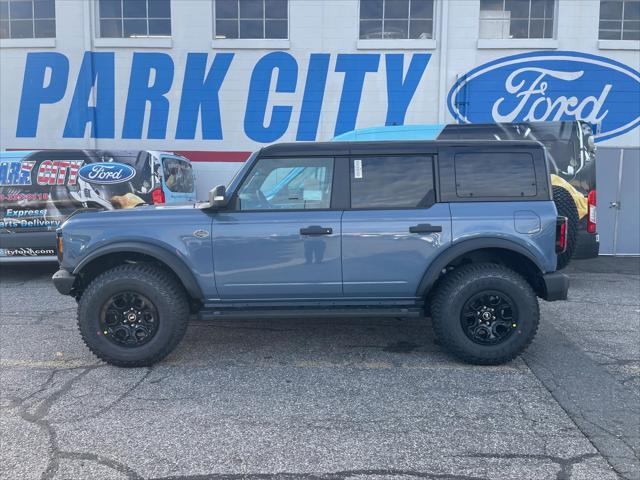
[[9, 362]]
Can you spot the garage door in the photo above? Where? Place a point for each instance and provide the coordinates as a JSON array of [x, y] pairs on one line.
[[618, 174]]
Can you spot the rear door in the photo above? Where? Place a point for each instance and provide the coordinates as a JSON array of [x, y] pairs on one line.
[[394, 227], [178, 182]]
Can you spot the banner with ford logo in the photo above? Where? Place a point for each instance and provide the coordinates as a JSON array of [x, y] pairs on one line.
[[39, 189], [550, 86]]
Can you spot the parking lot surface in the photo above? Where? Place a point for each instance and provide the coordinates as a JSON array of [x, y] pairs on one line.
[[324, 399]]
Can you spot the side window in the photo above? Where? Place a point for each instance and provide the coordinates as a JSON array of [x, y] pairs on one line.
[[495, 174], [178, 176], [290, 183], [392, 182]]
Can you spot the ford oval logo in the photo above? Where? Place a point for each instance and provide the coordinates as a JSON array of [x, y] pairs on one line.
[[550, 86], [106, 172]]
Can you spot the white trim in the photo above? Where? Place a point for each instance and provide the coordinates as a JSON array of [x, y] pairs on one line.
[[442, 9], [251, 43], [518, 43], [142, 42], [619, 44], [397, 44], [28, 43]]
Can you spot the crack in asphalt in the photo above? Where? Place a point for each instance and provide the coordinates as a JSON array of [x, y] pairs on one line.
[[340, 475], [119, 467], [37, 417], [576, 381], [566, 464], [113, 403]]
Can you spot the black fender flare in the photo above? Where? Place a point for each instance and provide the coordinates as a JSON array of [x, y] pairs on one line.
[[171, 260], [465, 246]]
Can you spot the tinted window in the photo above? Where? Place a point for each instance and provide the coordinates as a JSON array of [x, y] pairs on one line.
[[290, 183], [495, 175], [178, 176], [392, 182]]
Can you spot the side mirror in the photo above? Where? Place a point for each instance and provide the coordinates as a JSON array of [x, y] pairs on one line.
[[218, 197]]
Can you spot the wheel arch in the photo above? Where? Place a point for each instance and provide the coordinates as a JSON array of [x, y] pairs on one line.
[[122, 252], [495, 250]]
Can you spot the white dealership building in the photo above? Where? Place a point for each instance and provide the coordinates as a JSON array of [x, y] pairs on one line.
[[216, 79]]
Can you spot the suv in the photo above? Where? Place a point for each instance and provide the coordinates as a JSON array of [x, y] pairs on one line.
[[465, 231]]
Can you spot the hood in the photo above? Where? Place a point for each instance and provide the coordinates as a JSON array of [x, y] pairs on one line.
[[151, 214]]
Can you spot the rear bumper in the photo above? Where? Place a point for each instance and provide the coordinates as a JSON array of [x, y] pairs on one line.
[[587, 245], [556, 286], [63, 281]]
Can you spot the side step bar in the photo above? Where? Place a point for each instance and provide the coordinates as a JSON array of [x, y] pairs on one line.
[[230, 313]]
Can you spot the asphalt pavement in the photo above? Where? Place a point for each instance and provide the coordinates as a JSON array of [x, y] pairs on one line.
[[325, 399]]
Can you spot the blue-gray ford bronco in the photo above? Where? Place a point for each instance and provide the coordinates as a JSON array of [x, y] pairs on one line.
[[465, 232]]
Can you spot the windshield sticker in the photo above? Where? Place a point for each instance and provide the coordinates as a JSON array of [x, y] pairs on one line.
[[357, 168]]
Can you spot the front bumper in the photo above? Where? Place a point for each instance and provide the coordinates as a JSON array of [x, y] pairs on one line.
[[556, 286], [63, 281]]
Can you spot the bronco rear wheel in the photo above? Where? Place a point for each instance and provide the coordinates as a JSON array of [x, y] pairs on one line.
[[133, 315], [485, 314]]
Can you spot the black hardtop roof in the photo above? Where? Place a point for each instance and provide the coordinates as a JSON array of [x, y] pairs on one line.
[[387, 147]]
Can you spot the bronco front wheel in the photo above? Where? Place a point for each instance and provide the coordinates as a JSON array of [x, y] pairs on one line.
[[133, 315]]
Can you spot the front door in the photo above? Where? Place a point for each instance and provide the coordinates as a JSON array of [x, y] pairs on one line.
[[394, 228], [281, 239]]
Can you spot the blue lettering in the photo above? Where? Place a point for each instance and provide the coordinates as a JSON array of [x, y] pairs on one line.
[[313, 96], [140, 92], [200, 95], [102, 116], [400, 91], [34, 92], [16, 172], [355, 67], [259, 94]]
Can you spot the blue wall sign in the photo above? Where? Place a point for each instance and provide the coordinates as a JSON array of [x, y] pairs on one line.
[[104, 173], [559, 85], [153, 77]]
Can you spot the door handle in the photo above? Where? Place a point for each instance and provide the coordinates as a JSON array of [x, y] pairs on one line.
[[425, 228], [614, 205], [316, 230]]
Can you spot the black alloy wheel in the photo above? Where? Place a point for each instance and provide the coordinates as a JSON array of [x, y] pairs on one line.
[[489, 318], [129, 319]]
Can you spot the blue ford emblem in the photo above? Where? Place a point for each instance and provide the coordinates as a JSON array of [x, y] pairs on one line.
[[106, 173], [550, 86]]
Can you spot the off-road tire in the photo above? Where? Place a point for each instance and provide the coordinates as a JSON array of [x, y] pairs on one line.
[[458, 287], [567, 208], [156, 284]]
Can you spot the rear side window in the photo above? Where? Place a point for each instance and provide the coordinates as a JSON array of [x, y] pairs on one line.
[[392, 182], [178, 176], [495, 174]]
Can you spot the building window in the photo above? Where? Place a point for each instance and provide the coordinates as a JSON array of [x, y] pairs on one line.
[[396, 19], [258, 19], [134, 18], [619, 20], [503, 19], [27, 19]]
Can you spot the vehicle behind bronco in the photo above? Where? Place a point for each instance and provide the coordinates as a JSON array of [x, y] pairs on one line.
[[465, 230]]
